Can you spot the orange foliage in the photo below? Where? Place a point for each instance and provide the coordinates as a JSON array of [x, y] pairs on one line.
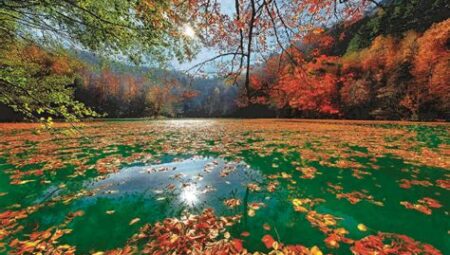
[[380, 55], [319, 39], [55, 64], [432, 62], [61, 66]]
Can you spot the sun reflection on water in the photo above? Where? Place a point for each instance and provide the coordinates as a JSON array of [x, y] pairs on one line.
[[190, 195]]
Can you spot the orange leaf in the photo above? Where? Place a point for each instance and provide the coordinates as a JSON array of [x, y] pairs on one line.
[[237, 243], [268, 241]]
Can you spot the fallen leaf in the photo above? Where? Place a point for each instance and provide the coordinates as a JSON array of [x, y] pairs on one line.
[[133, 221], [268, 241], [316, 251], [362, 227], [245, 234]]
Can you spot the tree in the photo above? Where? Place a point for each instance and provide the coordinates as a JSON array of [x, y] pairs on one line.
[[133, 28], [164, 98], [137, 29], [312, 86], [431, 70], [355, 92], [37, 84], [256, 29]]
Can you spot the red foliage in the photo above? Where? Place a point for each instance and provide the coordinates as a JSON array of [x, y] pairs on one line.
[[408, 73], [312, 86]]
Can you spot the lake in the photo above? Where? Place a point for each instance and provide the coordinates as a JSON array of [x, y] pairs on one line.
[[224, 185]]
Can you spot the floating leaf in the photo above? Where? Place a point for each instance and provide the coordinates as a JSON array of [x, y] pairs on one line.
[[362, 227], [266, 226], [316, 251], [134, 221], [232, 202], [245, 234], [268, 241]]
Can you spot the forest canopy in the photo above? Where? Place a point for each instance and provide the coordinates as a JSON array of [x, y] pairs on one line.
[[298, 58]]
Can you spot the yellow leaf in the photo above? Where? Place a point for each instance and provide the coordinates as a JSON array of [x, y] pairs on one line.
[[31, 244], [64, 247], [362, 227], [174, 238], [297, 202], [341, 231], [24, 182], [110, 212], [332, 243], [275, 245], [315, 251], [133, 221], [251, 212]]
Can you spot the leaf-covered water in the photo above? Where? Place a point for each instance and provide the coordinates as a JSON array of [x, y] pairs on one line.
[[337, 187]]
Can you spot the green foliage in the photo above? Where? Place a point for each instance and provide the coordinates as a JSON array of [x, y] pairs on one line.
[[38, 84], [395, 19], [131, 28], [355, 44], [41, 84]]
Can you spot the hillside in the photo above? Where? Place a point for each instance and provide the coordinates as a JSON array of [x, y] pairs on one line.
[[392, 64]]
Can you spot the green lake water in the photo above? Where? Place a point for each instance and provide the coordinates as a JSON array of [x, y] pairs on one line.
[[189, 177]]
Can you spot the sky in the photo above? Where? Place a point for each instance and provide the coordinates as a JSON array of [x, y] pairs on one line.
[[227, 7]]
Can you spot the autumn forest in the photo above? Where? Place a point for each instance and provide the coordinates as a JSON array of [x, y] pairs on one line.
[[287, 127]]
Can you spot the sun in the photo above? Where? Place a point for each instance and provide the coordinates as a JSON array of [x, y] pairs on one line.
[[188, 31]]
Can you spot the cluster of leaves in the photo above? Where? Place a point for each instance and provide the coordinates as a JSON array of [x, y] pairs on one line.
[[194, 234], [353, 197], [38, 242], [387, 243], [424, 205], [200, 234]]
